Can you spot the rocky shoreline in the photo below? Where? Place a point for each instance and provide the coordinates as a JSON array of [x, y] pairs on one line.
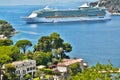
[[2, 36], [113, 6], [6, 30], [13, 33]]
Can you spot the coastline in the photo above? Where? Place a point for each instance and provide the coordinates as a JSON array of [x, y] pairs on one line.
[[115, 14], [9, 35], [6, 30], [12, 33], [112, 6]]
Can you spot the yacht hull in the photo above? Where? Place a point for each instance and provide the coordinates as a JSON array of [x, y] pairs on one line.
[[53, 20]]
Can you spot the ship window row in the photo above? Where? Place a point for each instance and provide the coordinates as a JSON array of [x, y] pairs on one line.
[[70, 13]]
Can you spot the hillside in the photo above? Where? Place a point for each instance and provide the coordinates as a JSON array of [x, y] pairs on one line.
[[112, 6], [6, 29]]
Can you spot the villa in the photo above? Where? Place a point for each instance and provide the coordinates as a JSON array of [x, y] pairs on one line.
[[64, 65], [25, 67]]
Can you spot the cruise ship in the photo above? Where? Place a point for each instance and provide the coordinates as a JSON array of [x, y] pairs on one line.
[[83, 13]]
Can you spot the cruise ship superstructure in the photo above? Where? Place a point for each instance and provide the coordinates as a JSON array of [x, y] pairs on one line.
[[83, 13]]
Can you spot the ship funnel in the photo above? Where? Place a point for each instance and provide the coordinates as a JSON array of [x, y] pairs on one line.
[[46, 8], [84, 6]]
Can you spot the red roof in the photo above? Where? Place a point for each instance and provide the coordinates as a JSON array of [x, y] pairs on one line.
[[68, 62]]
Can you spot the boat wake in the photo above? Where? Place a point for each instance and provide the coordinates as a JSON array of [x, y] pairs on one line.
[[30, 32]]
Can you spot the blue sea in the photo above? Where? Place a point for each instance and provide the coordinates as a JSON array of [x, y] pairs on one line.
[[96, 41]]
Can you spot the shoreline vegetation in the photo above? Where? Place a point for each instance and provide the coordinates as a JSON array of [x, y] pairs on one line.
[[6, 30], [113, 6]]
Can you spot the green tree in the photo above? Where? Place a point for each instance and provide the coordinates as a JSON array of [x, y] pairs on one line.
[[51, 43], [39, 73], [23, 44], [44, 44], [12, 51], [47, 71], [27, 77], [67, 47], [5, 42], [57, 42], [15, 53], [6, 29], [4, 59], [29, 54], [3, 22], [55, 53], [60, 52], [10, 72], [74, 68], [96, 73], [42, 58]]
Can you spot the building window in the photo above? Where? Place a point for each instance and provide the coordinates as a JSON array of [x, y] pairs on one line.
[[33, 68], [24, 72], [18, 72], [28, 69], [30, 62]]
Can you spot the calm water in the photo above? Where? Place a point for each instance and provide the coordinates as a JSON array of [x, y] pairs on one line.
[[92, 41]]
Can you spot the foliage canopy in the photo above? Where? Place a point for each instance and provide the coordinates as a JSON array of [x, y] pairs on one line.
[[23, 44]]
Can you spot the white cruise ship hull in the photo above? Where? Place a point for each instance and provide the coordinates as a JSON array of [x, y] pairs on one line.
[[53, 20]]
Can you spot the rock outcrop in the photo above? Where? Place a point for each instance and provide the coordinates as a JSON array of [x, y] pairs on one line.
[[113, 6]]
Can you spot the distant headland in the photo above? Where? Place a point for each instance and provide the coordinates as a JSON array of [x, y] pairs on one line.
[[6, 30], [113, 6]]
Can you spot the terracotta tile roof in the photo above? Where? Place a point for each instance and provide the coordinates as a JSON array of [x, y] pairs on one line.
[[68, 62]]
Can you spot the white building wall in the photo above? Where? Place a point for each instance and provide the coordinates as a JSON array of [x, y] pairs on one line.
[[62, 68], [25, 67]]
